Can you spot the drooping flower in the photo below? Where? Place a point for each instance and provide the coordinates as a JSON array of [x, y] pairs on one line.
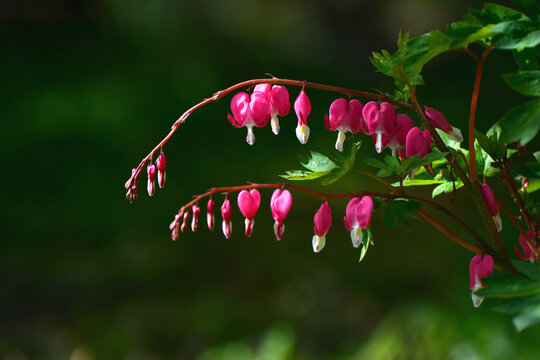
[[226, 215], [528, 253], [210, 214], [417, 143], [398, 139], [438, 121], [184, 226], [493, 207], [479, 268], [379, 120], [322, 221], [248, 202], [195, 219], [161, 164], [250, 111], [279, 103], [280, 204], [344, 117], [357, 217], [302, 108], [151, 171]]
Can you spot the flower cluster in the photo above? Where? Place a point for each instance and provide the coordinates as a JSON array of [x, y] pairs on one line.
[[151, 169], [388, 128]]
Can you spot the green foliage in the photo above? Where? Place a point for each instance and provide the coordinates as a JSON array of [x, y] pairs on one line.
[[321, 167], [402, 210], [392, 166], [520, 123], [524, 82], [517, 295], [367, 239]]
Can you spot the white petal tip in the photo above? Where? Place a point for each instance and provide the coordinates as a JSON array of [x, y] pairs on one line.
[[318, 243], [302, 133]]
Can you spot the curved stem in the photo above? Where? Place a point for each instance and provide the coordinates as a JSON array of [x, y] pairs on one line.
[[273, 81], [323, 195], [472, 114], [473, 247]]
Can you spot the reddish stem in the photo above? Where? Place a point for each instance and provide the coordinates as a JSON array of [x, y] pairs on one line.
[[473, 174], [323, 195], [274, 81], [518, 226]]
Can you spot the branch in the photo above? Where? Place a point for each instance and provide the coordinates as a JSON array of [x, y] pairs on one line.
[[274, 81]]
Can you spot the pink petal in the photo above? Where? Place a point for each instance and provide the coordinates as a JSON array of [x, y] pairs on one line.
[[323, 220], [388, 117], [240, 109], [264, 88], [302, 108], [437, 119], [248, 202], [489, 198], [355, 116], [280, 204], [338, 114], [363, 212], [260, 108], [279, 98]]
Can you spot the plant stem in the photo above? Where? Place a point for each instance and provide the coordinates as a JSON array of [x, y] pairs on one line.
[[273, 81], [228, 189], [512, 187], [518, 226], [473, 174], [473, 247]]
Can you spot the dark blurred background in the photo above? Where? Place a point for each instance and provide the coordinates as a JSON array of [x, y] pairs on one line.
[[89, 87]]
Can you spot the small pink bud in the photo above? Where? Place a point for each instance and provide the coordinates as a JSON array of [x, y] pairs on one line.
[[161, 164], [195, 219], [131, 186], [226, 214], [344, 117], [358, 217], [250, 111], [302, 108], [184, 226], [248, 202], [379, 120], [322, 221], [493, 207], [438, 121], [151, 170], [280, 204], [210, 214], [479, 268], [528, 253]]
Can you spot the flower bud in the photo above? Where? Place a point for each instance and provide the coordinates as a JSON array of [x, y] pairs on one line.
[[161, 164], [151, 170], [322, 221], [479, 268], [302, 108], [493, 207], [195, 219], [226, 215], [210, 214]]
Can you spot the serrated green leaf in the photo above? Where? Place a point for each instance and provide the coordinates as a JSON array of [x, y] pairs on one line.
[[334, 176], [402, 210], [520, 123], [491, 145], [317, 162], [524, 82], [446, 187], [300, 175], [515, 34], [531, 8]]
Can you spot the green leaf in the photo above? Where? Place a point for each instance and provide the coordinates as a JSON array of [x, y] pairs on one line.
[[531, 8], [402, 210], [527, 268], [317, 162], [537, 156], [530, 170], [367, 240], [524, 82], [526, 59], [509, 286], [374, 163], [446, 187], [515, 34], [299, 175], [520, 123], [334, 176], [419, 182], [491, 145], [521, 322]]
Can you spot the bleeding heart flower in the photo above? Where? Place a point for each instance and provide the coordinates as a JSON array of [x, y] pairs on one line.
[[161, 164], [302, 108], [493, 207], [528, 253], [479, 268], [151, 170], [280, 204], [379, 120], [357, 217], [250, 111], [248, 202], [438, 121], [195, 219], [210, 214], [279, 103], [417, 143], [344, 117], [226, 214], [322, 221], [398, 139]]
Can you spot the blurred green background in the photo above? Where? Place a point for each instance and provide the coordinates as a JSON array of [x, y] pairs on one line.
[[89, 87]]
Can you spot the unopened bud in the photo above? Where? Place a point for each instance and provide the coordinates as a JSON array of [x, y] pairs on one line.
[[210, 214], [184, 226], [195, 219], [161, 164], [151, 170]]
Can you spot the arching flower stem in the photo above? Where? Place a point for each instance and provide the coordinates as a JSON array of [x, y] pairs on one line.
[[272, 81]]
